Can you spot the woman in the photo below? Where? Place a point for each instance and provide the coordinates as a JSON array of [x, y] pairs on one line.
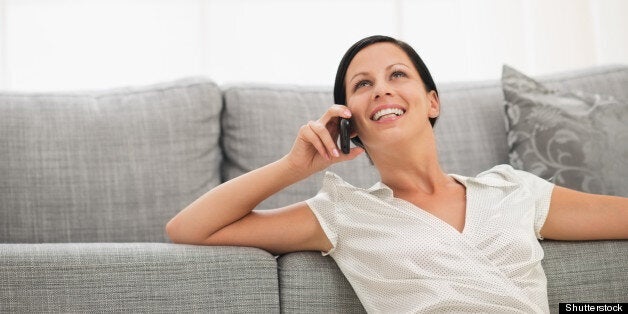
[[419, 240]]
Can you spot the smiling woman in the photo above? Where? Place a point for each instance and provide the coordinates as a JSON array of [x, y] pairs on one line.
[[420, 239]]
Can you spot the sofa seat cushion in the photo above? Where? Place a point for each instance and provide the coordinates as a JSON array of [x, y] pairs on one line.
[[585, 271], [105, 166]]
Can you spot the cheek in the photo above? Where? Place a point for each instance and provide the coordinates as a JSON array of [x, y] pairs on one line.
[[416, 97], [355, 102], [358, 105]]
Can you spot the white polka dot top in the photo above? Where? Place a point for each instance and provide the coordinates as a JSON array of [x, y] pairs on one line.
[[401, 259]]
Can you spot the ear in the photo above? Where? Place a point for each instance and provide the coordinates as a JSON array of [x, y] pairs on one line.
[[434, 109]]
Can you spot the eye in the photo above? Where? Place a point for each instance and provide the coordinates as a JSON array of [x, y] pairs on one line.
[[361, 84], [397, 74]]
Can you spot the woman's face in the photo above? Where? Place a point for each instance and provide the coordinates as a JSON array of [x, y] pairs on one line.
[[387, 97]]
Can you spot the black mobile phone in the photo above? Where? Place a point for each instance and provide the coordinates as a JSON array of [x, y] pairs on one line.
[[345, 135]]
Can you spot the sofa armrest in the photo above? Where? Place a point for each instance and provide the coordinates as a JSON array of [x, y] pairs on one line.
[[136, 277]]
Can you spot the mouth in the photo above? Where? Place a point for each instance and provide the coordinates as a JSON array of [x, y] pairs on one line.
[[387, 112]]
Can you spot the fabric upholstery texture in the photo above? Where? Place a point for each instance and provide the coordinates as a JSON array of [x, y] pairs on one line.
[[577, 139], [590, 271], [136, 277], [105, 166], [312, 283], [470, 133]]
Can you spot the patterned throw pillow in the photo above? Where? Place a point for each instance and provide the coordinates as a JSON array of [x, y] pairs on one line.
[[577, 140]]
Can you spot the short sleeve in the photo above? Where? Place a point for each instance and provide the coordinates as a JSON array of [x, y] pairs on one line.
[[323, 205], [541, 191]]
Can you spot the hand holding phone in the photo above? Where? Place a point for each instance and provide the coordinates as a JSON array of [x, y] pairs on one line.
[[345, 135]]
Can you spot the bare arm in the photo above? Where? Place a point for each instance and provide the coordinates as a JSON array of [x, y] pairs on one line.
[[229, 202], [575, 215], [225, 216]]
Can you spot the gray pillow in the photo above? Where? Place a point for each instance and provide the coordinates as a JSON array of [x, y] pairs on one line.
[[578, 140], [105, 166]]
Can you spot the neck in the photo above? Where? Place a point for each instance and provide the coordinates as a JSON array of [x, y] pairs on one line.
[[411, 168]]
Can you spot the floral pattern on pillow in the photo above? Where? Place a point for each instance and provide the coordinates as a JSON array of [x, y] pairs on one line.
[[577, 140]]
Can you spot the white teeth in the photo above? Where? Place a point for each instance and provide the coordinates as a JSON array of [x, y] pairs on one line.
[[383, 112]]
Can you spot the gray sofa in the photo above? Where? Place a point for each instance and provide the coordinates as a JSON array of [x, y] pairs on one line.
[[88, 180]]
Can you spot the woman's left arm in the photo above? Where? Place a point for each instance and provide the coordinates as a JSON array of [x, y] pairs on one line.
[[575, 215]]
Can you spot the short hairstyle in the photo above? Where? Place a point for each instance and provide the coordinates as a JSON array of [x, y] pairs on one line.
[[340, 95]]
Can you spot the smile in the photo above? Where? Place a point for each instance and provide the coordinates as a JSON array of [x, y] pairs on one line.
[[387, 113]]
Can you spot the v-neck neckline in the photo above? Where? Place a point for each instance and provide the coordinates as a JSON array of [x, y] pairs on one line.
[[419, 212]]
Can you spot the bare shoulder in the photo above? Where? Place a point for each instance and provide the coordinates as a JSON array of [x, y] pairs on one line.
[[575, 215], [282, 230]]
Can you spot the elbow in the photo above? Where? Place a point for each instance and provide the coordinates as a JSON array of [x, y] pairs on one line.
[[180, 233], [174, 232], [171, 231]]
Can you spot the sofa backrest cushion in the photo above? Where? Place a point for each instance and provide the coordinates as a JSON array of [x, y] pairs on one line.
[[470, 132], [105, 166]]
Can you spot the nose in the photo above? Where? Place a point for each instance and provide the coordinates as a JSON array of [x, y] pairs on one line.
[[382, 89]]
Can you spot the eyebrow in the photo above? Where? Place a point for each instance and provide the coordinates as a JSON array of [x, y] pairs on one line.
[[387, 68]]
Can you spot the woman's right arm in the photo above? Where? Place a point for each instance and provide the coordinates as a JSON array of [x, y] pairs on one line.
[[225, 216]]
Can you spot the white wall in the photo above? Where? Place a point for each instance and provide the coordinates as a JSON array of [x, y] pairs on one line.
[[90, 44]]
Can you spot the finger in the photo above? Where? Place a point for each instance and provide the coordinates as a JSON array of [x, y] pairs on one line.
[[311, 137], [335, 111], [325, 137], [331, 119]]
